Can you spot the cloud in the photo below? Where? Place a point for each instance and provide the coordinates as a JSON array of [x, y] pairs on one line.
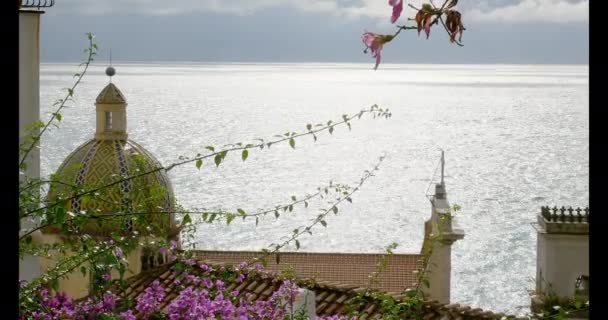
[[560, 11]]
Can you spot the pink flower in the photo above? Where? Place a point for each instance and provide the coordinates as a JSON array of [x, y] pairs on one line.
[[424, 17], [375, 42], [106, 277], [118, 253], [397, 9], [454, 24]]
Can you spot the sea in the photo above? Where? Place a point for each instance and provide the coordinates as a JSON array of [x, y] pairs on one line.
[[514, 137]]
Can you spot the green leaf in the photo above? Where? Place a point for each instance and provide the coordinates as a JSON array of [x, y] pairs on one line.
[[349, 200], [210, 148], [70, 92], [244, 154], [335, 210], [58, 116], [426, 282], [331, 130], [186, 220], [55, 284], [323, 223], [240, 211], [276, 214], [293, 198], [83, 269], [309, 127], [229, 218], [199, 163], [212, 217], [218, 160], [297, 244], [256, 221], [292, 143], [290, 207], [59, 215], [305, 204]]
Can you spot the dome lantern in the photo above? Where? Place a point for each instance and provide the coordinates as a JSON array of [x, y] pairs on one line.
[[111, 109]]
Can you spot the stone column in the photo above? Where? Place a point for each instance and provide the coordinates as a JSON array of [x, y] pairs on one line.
[[441, 231], [29, 112], [29, 81], [305, 301]]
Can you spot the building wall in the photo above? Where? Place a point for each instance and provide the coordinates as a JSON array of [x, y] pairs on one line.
[[76, 285], [29, 80], [561, 258], [29, 110]]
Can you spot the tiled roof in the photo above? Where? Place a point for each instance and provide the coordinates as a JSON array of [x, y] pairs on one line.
[[331, 298], [344, 268]]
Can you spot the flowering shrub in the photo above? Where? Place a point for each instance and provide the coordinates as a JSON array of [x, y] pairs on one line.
[[203, 294], [426, 16]]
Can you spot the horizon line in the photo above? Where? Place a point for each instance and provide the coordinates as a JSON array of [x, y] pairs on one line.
[[97, 62]]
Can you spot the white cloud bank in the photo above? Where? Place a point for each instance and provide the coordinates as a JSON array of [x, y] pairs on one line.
[[554, 11], [534, 11]]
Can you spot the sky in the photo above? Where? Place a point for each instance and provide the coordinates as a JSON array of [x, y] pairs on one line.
[[497, 31]]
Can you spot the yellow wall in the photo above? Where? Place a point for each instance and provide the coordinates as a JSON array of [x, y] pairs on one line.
[[75, 285]]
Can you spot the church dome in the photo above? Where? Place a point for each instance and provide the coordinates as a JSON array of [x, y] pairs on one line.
[[126, 205]]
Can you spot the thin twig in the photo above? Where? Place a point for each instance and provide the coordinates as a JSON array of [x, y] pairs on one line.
[[320, 218], [63, 102], [374, 110]]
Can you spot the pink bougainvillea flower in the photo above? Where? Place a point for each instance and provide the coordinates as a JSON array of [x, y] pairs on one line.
[[454, 24], [424, 18], [375, 42], [397, 9]]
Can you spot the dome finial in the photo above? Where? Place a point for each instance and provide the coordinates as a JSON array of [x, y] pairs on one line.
[[110, 71]]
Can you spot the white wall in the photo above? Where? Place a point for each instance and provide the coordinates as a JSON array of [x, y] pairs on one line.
[[561, 258], [29, 79], [29, 107]]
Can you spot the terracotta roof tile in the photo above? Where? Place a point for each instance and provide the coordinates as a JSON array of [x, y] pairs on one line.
[[330, 299], [335, 269]]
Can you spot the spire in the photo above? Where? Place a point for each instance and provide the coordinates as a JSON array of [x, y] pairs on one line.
[[110, 71], [442, 165], [111, 110]]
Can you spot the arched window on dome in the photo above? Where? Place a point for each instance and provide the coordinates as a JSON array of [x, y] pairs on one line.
[[108, 121]]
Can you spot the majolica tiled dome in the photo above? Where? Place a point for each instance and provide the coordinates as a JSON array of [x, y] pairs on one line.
[[109, 157]]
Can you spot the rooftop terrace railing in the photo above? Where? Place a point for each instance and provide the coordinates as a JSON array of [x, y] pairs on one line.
[[36, 3], [562, 214]]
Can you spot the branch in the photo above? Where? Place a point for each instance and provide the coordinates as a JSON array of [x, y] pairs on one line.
[[438, 18], [56, 115], [443, 23], [319, 220], [374, 110], [72, 262], [207, 214]]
